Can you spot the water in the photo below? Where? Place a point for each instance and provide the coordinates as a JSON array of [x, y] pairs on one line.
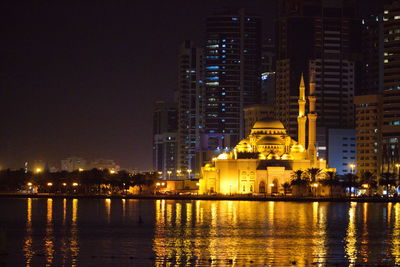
[[105, 232]]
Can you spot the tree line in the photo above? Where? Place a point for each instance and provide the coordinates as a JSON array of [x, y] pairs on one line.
[[330, 178], [86, 181]]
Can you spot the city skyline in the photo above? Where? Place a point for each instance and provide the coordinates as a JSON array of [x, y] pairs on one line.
[[81, 79]]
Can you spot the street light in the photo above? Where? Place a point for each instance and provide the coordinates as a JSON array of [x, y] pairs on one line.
[[169, 174], [352, 166], [75, 184], [315, 185], [38, 170], [49, 184], [29, 184], [189, 171]]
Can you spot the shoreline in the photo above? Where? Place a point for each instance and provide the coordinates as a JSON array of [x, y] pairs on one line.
[[205, 197]]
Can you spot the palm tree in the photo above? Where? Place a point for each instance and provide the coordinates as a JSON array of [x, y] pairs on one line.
[[370, 179], [297, 175], [286, 187], [330, 180], [313, 174], [299, 181]]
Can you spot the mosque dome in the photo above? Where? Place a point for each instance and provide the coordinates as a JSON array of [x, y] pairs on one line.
[[269, 124], [271, 140]]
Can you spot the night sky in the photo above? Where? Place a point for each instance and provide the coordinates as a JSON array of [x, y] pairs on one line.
[[79, 78]]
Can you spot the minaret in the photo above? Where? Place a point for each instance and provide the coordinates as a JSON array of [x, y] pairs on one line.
[[312, 122], [301, 119]]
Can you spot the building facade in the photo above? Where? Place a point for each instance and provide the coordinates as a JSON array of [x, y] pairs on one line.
[[320, 39], [342, 150], [232, 75], [190, 103], [72, 164], [165, 132], [391, 94], [266, 159]]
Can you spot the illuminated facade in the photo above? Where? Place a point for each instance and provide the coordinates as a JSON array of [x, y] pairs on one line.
[[265, 160]]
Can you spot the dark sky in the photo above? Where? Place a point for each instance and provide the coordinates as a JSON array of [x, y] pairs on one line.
[[79, 78]]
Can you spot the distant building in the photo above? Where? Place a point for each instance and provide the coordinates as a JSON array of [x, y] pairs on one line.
[[268, 73], [368, 133], [72, 164], [103, 164], [342, 150], [190, 103], [254, 113], [371, 81], [232, 74], [232, 60], [391, 94], [165, 133], [165, 154], [322, 40]]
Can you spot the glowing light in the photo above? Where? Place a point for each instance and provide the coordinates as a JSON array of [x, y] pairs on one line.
[[29, 184], [112, 171], [38, 170], [365, 186], [80, 169], [162, 184], [315, 184], [271, 185], [49, 184], [223, 156], [198, 184], [158, 184], [64, 184], [75, 184]]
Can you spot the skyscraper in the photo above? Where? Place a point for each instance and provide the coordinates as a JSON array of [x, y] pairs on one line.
[[371, 81], [190, 103], [232, 76], [165, 126], [321, 39], [391, 94]]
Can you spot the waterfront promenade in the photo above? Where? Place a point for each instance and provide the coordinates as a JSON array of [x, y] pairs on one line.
[[205, 197]]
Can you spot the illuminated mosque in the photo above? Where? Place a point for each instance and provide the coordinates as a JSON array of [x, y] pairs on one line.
[[266, 159]]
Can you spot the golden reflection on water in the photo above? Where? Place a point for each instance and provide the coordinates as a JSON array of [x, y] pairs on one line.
[[49, 238], [28, 251], [364, 249], [240, 233], [395, 249], [74, 243], [123, 207], [319, 224], [351, 235], [108, 209]]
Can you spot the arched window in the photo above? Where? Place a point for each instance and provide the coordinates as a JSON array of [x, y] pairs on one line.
[[261, 187]]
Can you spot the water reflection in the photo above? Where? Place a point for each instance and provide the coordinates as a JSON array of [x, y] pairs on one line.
[[396, 234], [351, 240], [28, 251], [49, 238], [72, 232], [74, 244]]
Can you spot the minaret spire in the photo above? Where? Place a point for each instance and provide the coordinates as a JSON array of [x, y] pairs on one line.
[[301, 119], [312, 121]]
